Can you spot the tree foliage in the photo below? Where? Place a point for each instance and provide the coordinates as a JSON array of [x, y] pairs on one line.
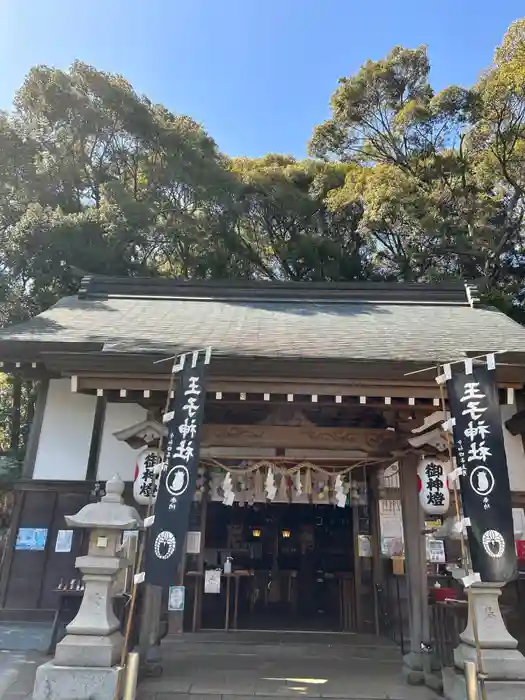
[[402, 183]]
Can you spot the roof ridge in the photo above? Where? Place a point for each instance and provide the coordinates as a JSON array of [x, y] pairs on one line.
[[95, 287]]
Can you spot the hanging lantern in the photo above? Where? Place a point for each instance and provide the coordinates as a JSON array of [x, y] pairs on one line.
[[434, 495], [146, 479]]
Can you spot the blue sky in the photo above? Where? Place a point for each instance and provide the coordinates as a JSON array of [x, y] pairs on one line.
[[257, 74]]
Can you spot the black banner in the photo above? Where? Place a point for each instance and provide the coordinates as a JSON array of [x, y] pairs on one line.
[[179, 476], [485, 489]]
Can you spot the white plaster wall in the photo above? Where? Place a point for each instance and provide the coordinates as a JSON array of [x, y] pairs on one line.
[[65, 438], [514, 451], [115, 456]]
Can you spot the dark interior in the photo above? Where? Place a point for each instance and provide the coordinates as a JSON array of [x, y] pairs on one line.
[[297, 559]]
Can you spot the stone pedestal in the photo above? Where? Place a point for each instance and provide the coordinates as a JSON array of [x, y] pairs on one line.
[[54, 682], [501, 663], [85, 664]]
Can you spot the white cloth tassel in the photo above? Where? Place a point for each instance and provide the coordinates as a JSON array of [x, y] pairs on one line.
[[227, 487], [298, 483], [339, 491], [270, 488]]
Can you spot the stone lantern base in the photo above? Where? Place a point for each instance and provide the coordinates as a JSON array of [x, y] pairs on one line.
[[502, 664], [454, 687], [80, 683]]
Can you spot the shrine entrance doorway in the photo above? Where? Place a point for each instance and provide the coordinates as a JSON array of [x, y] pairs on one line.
[[296, 566]]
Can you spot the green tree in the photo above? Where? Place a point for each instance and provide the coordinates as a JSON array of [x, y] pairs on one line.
[[439, 176]]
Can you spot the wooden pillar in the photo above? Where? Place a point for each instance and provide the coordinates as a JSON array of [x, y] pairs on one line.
[[199, 581], [375, 521], [415, 569], [357, 569], [36, 428]]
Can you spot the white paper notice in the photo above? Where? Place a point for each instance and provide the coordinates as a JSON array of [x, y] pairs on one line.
[[435, 551], [193, 542], [212, 581], [64, 541]]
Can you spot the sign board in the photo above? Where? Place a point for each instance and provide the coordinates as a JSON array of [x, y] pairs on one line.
[[480, 455], [31, 538]]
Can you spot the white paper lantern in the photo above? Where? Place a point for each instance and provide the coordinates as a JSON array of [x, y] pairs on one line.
[[146, 481], [434, 494]]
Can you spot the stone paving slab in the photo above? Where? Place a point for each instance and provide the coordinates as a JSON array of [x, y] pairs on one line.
[[334, 673], [25, 636], [17, 674], [226, 669]]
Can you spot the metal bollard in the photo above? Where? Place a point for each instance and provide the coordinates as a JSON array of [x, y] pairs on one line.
[[471, 678], [131, 673]]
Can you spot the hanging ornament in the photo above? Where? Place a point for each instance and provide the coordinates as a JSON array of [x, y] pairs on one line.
[[308, 482], [270, 488], [298, 483], [283, 488], [339, 492], [227, 488], [258, 487]]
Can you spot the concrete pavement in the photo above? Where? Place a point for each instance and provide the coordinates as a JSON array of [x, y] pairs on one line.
[[269, 666], [17, 673], [254, 666]]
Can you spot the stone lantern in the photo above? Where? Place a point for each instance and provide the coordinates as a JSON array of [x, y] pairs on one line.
[[85, 663]]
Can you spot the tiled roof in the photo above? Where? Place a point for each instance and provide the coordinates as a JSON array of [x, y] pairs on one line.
[[354, 322]]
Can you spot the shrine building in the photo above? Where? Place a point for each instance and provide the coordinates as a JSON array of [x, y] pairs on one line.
[[321, 403]]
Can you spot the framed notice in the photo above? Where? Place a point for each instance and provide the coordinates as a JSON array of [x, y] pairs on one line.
[[64, 541], [212, 581], [193, 542], [176, 598], [31, 539], [364, 545], [435, 551]]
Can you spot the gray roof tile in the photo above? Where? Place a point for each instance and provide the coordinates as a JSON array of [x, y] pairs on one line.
[[276, 328]]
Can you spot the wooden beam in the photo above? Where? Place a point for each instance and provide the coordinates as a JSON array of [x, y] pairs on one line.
[[312, 387], [371, 442]]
